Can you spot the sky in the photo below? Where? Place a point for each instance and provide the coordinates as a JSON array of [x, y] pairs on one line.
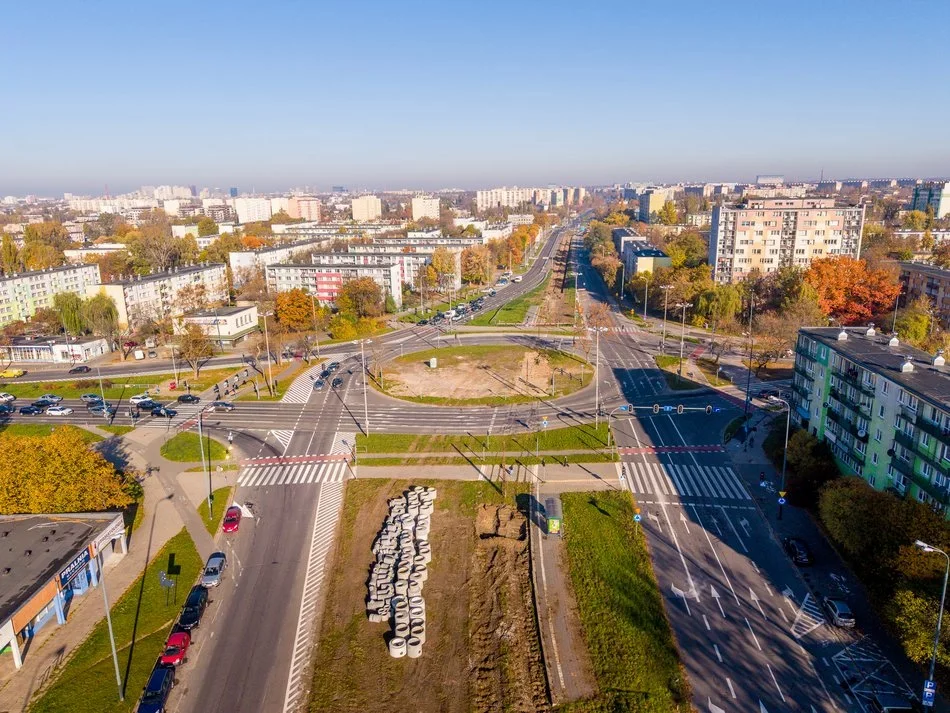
[[268, 96]]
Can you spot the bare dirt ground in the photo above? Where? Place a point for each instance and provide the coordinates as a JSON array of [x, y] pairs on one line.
[[471, 581], [557, 306], [502, 371]]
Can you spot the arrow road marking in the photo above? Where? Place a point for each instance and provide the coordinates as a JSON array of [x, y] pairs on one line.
[[718, 561], [713, 708], [734, 531], [762, 708], [656, 520], [744, 524], [755, 600], [715, 595], [683, 520], [788, 593], [677, 592]]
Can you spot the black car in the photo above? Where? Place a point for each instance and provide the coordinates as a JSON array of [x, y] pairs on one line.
[[337, 382], [325, 374], [319, 384], [164, 412], [194, 608], [98, 404], [6, 410], [333, 365], [79, 370], [31, 410], [221, 406], [43, 404], [147, 405], [798, 551], [159, 685], [188, 399], [422, 322]]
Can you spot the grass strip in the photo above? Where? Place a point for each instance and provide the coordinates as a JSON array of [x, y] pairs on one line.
[[117, 430], [45, 429], [141, 620], [709, 370], [632, 650], [183, 448], [220, 499], [580, 437], [116, 388], [550, 460], [670, 366], [515, 311]]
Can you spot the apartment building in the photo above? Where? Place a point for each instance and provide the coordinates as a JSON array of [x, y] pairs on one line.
[[516, 197], [303, 207], [923, 280], [243, 261], [882, 406], [23, 293], [78, 256], [425, 207], [651, 201], [409, 263], [768, 234], [252, 210], [933, 194], [366, 209], [326, 281], [144, 298]]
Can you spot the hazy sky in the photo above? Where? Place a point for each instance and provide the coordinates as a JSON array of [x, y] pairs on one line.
[[469, 94]]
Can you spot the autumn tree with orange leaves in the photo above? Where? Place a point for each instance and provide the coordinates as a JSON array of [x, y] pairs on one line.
[[849, 291]]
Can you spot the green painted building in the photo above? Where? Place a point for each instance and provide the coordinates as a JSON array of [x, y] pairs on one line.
[[883, 407]]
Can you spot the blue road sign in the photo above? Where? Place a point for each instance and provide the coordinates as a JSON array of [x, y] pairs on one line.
[[781, 501], [625, 408], [637, 518], [667, 408], [930, 691], [716, 409]]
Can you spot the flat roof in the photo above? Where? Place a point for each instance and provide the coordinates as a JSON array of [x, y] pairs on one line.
[[925, 268], [184, 270], [219, 311], [36, 548], [929, 382], [33, 340], [59, 268]]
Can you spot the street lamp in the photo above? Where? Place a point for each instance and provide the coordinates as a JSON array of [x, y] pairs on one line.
[[365, 401], [646, 295], [788, 423], [666, 301], [748, 383], [684, 306], [313, 304], [270, 370], [930, 548], [596, 331]]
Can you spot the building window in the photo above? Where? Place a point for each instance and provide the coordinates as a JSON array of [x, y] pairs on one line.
[[874, 458], [924, 439], [921, 496], [884, 386], [880, 411], [872, 481], [877, 435]]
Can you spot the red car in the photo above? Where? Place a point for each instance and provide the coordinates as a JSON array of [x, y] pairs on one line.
[[232, 519], [175, 649]]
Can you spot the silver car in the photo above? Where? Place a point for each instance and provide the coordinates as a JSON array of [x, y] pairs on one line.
[[839, 612], [214, 568]]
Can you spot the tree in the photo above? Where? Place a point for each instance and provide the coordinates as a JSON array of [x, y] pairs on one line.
[[476, 264], [220, 249], [154, 251], [361, 297], [39, 256], [100, 315], [47, 320], [915, 220], [69, 306], [342, 328], [206, 226], [294, 309], [57, 473], [718, 305], [810, 465], [194, 347], [773, 338], [191, 298], [47, 233], [849, 291], [941, 254], [10, 255], [443, 262], [913, 321], [667, 214]]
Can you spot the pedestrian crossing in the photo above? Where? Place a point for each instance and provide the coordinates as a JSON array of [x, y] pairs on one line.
[[301, 388], [293, 474], [186, 413], [702, 481], [809, 617], [343, 443]]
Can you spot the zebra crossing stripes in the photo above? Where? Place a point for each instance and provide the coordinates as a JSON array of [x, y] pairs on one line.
[[301, 388], [809, 617], [343, 443], [294, 474], [703, 481], [283, 437], [185, 412]]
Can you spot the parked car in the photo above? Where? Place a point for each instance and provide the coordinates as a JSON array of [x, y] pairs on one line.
[[164, 412], [176, 648], [42, 404], [221, 406], [11, 373], [52, 398], [319, 385], [422, 322], [80, 369], [893, 703], [333, 365], [798, 551], [93, 404], [139, 398], [7, 398], [90, 398], [839, 612], [336, 383], [232, 519], [6, 409], [159, 685], [58, 411], [194, 608], [188, 399], [214, 568]]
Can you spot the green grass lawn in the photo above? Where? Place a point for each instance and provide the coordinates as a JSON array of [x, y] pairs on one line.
[[184, 448], [732, 428], [44, 429], [221, 498], [772, 372], [670, 367], [117, 430], [709, 371], [621, 611], [513, 312], [86, 684], [514, 457]]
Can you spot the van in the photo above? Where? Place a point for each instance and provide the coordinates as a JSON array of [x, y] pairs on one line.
[[517, 278], [139, 354], [450, 314]]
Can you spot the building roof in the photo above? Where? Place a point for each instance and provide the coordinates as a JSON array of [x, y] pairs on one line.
[[641, 248], [61, 268], [219, 311], [36, 548], [184, 270], [39, 339], [926, 269], [873, 352], [335, 266]]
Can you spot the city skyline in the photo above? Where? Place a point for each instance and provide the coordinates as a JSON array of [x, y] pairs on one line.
[[427, 97]]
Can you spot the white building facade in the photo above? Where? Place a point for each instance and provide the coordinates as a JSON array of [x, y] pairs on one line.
[[366, 209], [23, 293]]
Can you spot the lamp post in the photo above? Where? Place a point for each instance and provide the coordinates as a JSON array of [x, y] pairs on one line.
[[684, 306], [270, 370], [623, 279], [596, 331], [365, 402], [646, 295], [201, 447], [788, 423], [115, 656], [930, 548], [748, 383], [102, 392], [313, 304], [666, 301]]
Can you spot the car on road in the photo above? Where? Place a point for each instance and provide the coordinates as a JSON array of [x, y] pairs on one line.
[[194, 608], [159, 685], [93, 404], [147, 405], [7, 398], [81, 369], [176, 648], [6, 409], [52, 398], [139, 398], [325, 374], [188, 399], [336, 383], [799, 551], [516, 278], [232, 519], [104, 410], [893, 703], [422, 322], [214, 568], [220, 406], [90, 398], [58, 411], [42, 403], [164, 412], [333, 365], [11, 373], [839, 612], [31, 410], [319, 385]]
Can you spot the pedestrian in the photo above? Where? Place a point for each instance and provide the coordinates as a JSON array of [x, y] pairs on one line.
[[230, 438]]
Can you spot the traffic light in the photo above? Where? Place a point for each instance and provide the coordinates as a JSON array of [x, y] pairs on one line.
[[679, 408], [656, 408]]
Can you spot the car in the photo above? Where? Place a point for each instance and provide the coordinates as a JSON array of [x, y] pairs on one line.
[[188, 399], [159, 685], [31, 410], [58, 411], [176, 648], [839, 612], [422, 322], [139, 398], [11, 373], [214, 568], [164, 412], [104, 410], [319, 385], [152, 354], [81, 369], [798, 551], [337, 382], [90, 398], [6, 410], [42, 403], [147, 405], [232, 519], [221, 406], [333, 365], [7, 398], [52, 398], [194, 608], [93, 404], [893, 703], [325, 374], [516, 278]]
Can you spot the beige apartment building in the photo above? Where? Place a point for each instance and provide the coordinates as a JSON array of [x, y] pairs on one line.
[[767, 234], [366, 208]]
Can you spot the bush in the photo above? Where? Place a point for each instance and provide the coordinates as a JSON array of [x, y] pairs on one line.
[[810, 463], [342, 328]]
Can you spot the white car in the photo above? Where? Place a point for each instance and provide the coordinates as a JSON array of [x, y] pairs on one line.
[[58, 411], [139, 398], [53, 398], [7, 398]]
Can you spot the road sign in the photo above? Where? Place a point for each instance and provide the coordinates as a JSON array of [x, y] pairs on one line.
[[781, 493], [781, 501], [625, 407], [544, 423], [930, 691], [667, 408], [637, 518], [637, 510]]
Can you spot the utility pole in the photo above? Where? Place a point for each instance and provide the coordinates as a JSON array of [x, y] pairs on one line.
[[201, 447], [748, 383], [313, 304], [365, 401], [115, 656], [685, 306], [646, 295], [666, 301], [270, 370]]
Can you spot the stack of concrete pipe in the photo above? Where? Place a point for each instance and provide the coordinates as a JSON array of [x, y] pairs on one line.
[[400, 570]]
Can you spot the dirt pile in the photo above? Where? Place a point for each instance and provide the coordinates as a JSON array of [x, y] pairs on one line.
[[506, 664]]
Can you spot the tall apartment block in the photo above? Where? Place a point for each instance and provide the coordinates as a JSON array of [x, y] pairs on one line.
[[936, 195], [425, 207], [366, 208], [930, 282], [24, 293], [779, 232], [883, 407]]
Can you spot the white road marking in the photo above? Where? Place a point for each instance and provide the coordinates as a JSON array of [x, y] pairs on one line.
[[754, 637], [775, 681], [718, 655], [706, 622], [731, 689]]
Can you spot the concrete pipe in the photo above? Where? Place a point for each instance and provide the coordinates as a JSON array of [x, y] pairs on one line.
[[397, 647], [417, 601], [401, 630], [413, 647], [414, 588], [401, 617], [417, 630], [397, 601], [418, 559], [416, 613], [421, 572], [402, 587]]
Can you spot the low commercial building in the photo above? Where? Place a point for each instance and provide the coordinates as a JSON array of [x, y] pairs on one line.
[[21, 294], [225, 326], [883, 407], [325, 281], [57, 349], [639, 256], [47, 561], [931, 282]]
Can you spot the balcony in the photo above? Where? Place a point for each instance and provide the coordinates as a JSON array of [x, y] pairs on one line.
[[902, 466], [854, 378], [848, 425], [941, 495], [905, 440], [935, 462], [909, 413], [934, 429], [802, 390]]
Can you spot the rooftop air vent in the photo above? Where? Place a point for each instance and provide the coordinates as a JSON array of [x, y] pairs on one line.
[[894, 341], [842, 336], [870, 330], [938, 358], [908, 365]]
